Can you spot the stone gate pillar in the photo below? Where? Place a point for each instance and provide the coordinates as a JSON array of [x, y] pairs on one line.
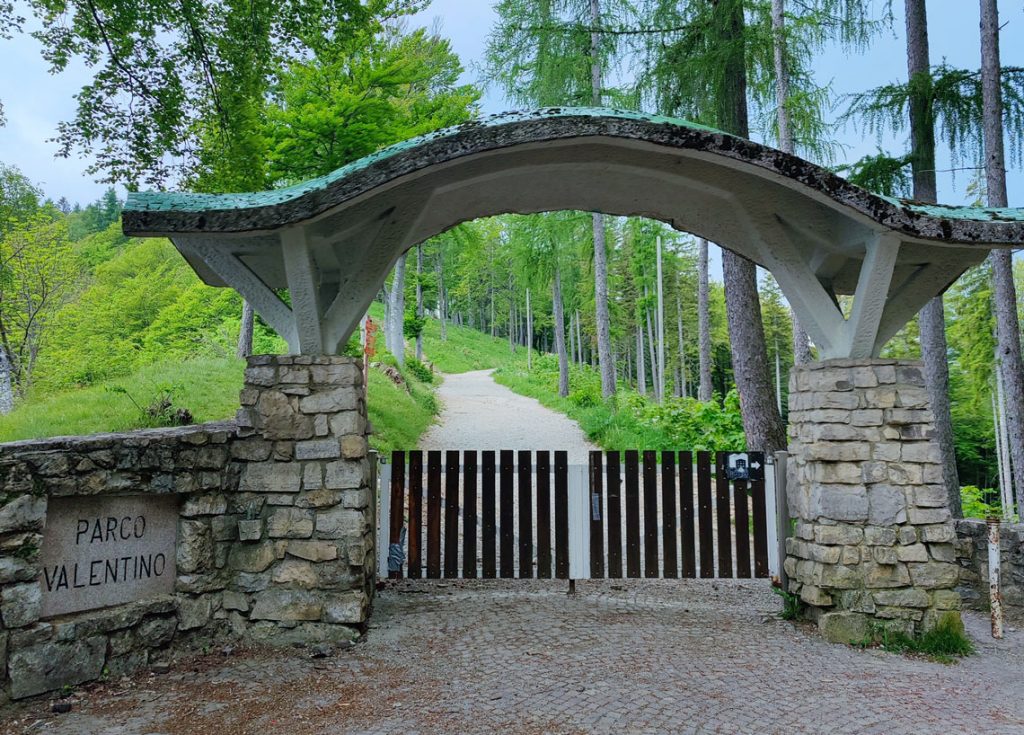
[[873, 541], [303, 565]]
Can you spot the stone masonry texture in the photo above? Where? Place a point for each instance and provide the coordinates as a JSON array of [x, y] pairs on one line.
[[972, 556], [275, 541], [873, 540]]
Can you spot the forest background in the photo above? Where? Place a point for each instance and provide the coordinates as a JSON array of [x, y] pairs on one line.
[[100, 332]]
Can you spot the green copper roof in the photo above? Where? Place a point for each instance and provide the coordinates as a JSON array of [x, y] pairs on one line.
[[145, 210]]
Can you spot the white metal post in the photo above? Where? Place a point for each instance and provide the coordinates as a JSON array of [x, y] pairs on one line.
[[579, 522], [995, 594], [384, 520], [778, 518]]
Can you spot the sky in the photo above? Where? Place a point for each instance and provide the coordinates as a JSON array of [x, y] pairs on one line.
[[35, 101]]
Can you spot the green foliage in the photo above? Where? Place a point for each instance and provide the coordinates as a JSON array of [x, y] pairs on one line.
[[161, 410], [880, 173], [944, 643], [399, 415], [974, 503], [792, 607], [421, 371], [349, 101], [178, 88]]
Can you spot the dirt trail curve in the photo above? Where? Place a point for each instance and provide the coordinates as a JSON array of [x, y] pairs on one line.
[[478, 413]]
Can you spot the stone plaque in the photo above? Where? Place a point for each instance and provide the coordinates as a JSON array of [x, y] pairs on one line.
[[99, 552]]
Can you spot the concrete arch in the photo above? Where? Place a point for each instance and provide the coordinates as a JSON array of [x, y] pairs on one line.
[[333, 240]]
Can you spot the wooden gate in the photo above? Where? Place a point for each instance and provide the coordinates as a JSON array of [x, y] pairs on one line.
[[531, 514]]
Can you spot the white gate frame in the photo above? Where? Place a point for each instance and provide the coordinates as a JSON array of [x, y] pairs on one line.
[[579, 521]]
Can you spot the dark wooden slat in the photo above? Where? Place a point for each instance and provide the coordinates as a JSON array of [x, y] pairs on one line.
[[433, 514], [561, 515], [740, 505], [632, 513], [469, 514], [487, 509], [506, 531], [723, 517], [544, 515], [761, 520], [525, 515], [686, 513], [415, 514], [596, 517], [451, 514], [650, 513], [704, 515], [669, 562], [614, 512], [397, 506]]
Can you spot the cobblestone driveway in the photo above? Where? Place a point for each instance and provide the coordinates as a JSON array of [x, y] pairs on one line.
[[523, 657]]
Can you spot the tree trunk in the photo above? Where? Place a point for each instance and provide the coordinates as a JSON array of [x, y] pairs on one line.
[[6, 385], [761, 420], [529, 332], [601, 317], [703, 322], [661, 327], [1009, 362], [572, 338], [651, 352], [801, 343], [682, 351], [934, 350], [419, 300], [397, 312], [781, 75], [641, 371], [559, 316], [579, 337], [442, 305], [244, 333]]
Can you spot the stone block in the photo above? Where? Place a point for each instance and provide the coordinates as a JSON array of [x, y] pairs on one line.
[[813, 595], [294, 573], [195, 547], [880, 576], [909, 597], [208, 504], [942, 552], [946, 599], [252, 557], [349, 608], [321, 425], [844, 627], [934, 575], [16, 569], [838, 535], [880, 398], [250, 529], [49, 666], [872, 472], [194, 612], [331, 401], [857, 601], [271, 477], [293, 375], [340, 375], [25, 513], [353, 446], [348, 422], [290, 523], [839, 502], [866, 417], [931, 496], [356, 498], [898, 613], [262, 377], [345, 475], [927, 516], [233, 600], [21, 604], [864, 377], [286, 605], [877, 536], [157, 631], [886, 451], [913, 552], [313, 550], [837, 576], [321, 498], [339, 522], [887, 505], [912, 396], [276, 418], [318, 449], [884, 554]]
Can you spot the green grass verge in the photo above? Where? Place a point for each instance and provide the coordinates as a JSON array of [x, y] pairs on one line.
[[467, 349], [944, 643], [209, 389], [206, 387]]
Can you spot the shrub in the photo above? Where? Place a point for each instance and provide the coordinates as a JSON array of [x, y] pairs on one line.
[[974, 505], [420, 371]]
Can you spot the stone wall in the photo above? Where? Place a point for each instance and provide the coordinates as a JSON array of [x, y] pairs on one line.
[[972, 556], [274, 538], [873, 538]]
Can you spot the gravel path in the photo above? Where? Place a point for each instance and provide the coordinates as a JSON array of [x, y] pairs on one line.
[[480, 414]]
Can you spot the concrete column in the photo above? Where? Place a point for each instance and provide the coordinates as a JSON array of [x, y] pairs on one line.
[[304, 567], [873, 543]]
